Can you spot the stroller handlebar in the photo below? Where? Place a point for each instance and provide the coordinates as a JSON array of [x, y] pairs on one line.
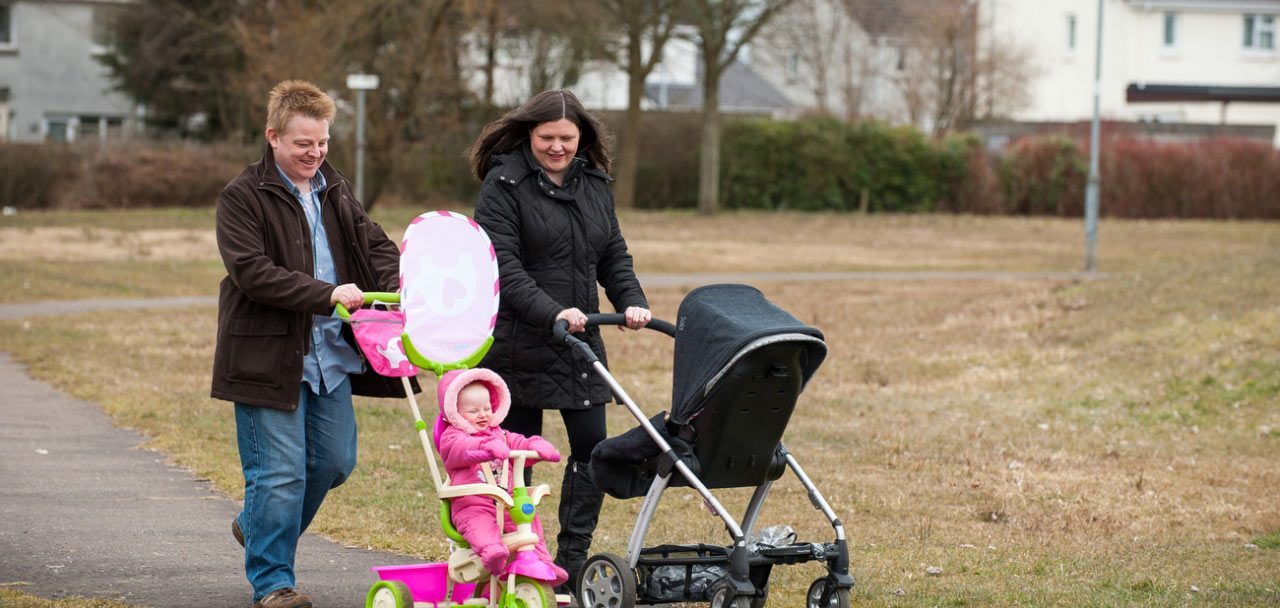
[[561, 331]]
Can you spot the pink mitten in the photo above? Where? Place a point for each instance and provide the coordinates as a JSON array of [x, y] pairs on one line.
[[545, 450], [498, 447], [478, 455]]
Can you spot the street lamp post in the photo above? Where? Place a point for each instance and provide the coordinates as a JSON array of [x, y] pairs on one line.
[[1091, 190], [360, 83]]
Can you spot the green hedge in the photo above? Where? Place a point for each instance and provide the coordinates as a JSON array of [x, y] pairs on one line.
[[821, 164]]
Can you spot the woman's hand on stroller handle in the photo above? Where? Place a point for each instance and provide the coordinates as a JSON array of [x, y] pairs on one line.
[[636, 317]]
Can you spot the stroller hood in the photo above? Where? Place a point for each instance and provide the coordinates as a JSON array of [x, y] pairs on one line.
[[714, 324]]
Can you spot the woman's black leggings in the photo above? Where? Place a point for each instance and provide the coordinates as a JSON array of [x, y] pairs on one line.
[[585, 427]]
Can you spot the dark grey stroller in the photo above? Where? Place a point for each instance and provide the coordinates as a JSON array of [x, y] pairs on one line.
[[740, 363]]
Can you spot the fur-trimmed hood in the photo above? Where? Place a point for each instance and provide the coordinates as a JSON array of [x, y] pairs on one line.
[[454, 381]]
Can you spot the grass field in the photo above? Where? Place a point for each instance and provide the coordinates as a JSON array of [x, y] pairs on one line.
[[1044, 442]]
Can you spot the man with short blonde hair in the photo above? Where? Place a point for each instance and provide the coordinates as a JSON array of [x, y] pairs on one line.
[[297, 97], [295, 243]]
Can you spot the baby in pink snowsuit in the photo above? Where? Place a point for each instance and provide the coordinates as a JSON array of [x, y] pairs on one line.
[[474, 402]]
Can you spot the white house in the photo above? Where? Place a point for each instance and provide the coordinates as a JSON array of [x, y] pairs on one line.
[[835, 57], [1169, 61], [51, 86]]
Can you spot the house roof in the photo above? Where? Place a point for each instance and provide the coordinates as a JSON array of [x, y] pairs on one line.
[[1227, 6], [741, 90]]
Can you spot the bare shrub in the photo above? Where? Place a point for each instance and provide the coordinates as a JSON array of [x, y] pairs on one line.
[[135, 175], [1219, 178], [36, 175]]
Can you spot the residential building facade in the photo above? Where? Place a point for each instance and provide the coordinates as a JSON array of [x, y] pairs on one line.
[[1186, 62], [52, 88]]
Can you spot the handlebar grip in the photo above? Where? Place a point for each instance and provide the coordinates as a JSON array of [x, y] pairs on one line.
[[369, 298], [621, 319], [561, 331]]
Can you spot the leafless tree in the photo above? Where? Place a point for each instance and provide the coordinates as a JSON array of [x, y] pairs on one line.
[[644, 23], [723, 28], [951, 76], [818, 44], [410, 44]]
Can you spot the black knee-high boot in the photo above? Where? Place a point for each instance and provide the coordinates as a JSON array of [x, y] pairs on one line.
[[580, 502]]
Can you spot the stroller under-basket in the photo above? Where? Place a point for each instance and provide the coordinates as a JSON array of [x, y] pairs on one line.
[[740, 363]]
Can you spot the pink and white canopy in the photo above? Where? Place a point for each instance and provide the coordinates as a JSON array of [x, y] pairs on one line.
[[448, 286]]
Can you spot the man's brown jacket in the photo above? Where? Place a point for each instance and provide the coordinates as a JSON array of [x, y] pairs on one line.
[[266, 302]]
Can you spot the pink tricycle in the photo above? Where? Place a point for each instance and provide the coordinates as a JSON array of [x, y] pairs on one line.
[[445, 311]]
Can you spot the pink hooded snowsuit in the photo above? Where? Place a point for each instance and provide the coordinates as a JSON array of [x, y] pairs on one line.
[[463, 449]]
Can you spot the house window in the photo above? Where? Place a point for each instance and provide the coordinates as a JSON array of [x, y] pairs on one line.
[[1260, 32], [1071, 33], [6, 25], [1170, 30], [59, 129]]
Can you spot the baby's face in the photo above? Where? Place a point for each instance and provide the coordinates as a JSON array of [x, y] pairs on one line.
[[473, 405]]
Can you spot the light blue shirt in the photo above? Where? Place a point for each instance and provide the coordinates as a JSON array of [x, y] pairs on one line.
[[331, 358]]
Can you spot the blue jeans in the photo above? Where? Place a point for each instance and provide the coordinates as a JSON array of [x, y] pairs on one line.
[[290, 460]]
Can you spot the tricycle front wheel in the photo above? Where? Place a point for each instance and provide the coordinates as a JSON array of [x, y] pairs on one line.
[[389, 594], [529, 593]]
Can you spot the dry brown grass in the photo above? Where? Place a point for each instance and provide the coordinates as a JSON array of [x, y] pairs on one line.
[[12, 598], [1099, 442]]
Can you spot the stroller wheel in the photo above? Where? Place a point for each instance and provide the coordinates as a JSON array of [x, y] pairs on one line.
[[722, 597], [606, 582], [759, 602], [839, 597], [389, 594]]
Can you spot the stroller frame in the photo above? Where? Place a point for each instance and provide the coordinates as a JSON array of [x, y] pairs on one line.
[[739, 589]]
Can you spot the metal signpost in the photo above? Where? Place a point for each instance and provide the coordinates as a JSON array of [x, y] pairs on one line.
[[360, 83]]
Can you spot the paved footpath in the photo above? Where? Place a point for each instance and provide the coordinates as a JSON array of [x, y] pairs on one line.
[[85, 512]]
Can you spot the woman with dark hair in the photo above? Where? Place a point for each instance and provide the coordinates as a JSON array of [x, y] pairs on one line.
[[547, 207]]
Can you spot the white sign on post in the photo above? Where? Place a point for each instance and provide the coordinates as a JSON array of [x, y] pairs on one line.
[[362, 82]]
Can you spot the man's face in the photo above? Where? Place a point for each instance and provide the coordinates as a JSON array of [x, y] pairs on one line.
[[300, 149]]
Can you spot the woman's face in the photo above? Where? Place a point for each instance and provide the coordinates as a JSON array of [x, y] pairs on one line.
[[554, 143]]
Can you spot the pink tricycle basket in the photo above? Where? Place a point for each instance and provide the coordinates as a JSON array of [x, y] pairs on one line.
[[378, 332], [426, 582]]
